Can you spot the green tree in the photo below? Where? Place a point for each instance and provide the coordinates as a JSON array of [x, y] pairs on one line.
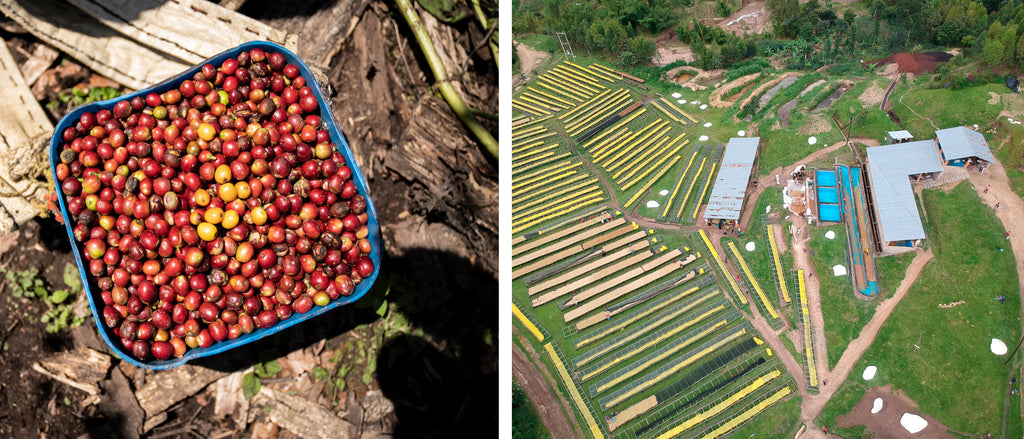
[[1008, 37], [643, 47], [1020, 51], [950, 33], [784, 15], [607, 34], [994, 52], [628, 59], [525, 421]]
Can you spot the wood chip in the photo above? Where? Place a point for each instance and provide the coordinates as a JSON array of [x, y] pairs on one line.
[[165, 388], [229, 400], [40, 60], [305, 418], [82, 369]]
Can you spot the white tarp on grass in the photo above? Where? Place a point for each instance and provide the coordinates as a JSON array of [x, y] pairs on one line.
[[998, 347], [913, 423], [830, 234], [652, 204], [877, 407], [751, 246], [839, 270], [869, 372]]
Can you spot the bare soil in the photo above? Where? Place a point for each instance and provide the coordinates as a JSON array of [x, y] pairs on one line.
[[529, 59], [916, 63], [886, 423], [539, 387], [752, 18], [672, 51], [29, 401]]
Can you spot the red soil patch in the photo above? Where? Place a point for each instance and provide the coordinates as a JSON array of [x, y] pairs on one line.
[[886, 423], [916, 63]]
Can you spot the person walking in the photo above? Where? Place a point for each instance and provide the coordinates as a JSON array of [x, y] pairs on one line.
[[997, 205], [1007, 234], [987, 188]]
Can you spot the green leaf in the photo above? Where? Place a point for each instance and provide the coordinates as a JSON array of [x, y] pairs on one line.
[[39, 291], [340, 384], [343, 370], [72, 278], [320, 373], [383, 308], [250, 385], [59, 296], [367, 376], [273, 368], [268, 369]]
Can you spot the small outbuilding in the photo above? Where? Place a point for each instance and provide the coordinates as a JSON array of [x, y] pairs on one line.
[[962, 146], [901, 136]]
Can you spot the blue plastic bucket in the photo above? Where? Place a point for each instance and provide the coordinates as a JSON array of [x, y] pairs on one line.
[[336, 137]]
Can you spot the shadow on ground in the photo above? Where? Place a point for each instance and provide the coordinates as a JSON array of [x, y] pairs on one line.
[[442, 383]]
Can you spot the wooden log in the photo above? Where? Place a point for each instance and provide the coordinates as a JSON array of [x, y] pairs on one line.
[[82, 369], [180, 28], [165, 388], [305, 418]]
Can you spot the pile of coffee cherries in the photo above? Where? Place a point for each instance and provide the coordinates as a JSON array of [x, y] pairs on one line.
[[215, 209]]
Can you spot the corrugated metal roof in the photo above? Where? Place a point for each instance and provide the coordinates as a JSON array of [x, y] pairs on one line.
[[900, 135], [890, 166], [963, 142], [731, 183]]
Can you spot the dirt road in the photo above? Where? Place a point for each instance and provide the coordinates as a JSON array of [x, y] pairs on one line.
[[538, 388]]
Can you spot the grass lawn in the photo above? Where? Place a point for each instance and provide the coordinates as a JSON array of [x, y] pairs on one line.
[[954, 369], [947, 108], [869, 121], [845, 314], [910, 121], [541, 42], [891, 271], [785, 146]]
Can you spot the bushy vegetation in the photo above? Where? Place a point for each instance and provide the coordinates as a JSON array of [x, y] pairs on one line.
[[745, 68], [525, 421]]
